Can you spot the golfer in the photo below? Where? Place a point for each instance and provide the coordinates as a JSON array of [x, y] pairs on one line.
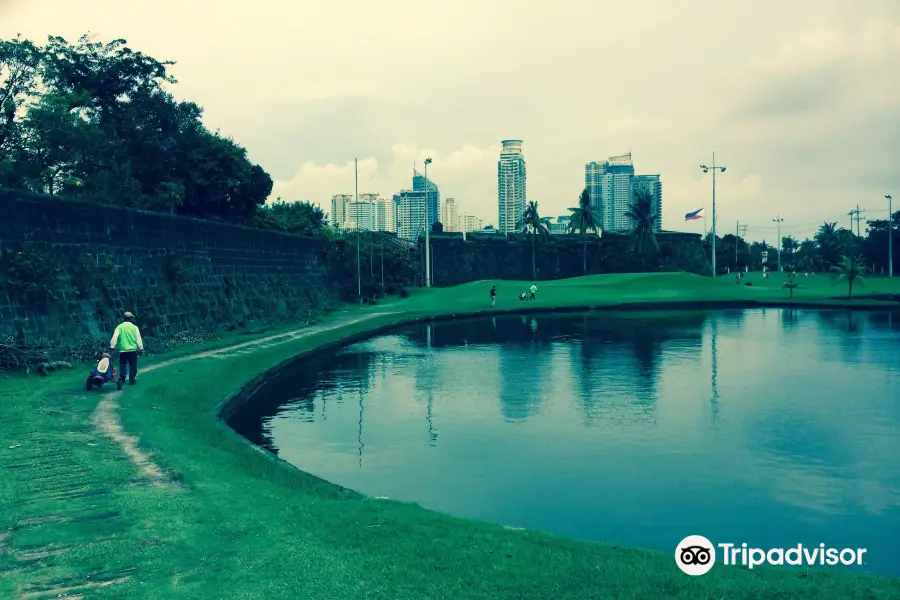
[[127, 338]]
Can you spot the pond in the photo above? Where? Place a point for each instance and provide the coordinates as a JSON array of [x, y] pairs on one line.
[[772, 427]]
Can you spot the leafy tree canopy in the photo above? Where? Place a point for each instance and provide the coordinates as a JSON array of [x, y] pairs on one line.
[[95, 120]]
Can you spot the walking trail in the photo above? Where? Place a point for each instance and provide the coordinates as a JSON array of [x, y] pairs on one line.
[[64, 492]]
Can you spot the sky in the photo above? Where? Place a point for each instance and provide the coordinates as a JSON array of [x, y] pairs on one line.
[[800, 99]]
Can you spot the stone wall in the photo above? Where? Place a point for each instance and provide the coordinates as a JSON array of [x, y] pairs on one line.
[[181, 275], [176, 274]]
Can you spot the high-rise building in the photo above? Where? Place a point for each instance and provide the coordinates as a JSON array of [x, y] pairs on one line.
[[360, 214], [450, 218], [560, 226], [653, 185], [434, 196], [339, 209], [385, 214], [510, 185], [611, 186], [469, 223], [410, 214]]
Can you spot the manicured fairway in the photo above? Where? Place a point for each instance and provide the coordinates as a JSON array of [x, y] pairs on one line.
[[146, 494]]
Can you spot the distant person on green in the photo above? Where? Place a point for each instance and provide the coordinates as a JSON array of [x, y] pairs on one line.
[[533, 290], [127, 338]]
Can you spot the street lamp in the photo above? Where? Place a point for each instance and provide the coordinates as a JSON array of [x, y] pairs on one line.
[[706, 169], [890, 238], [427, 227], [779, 220], [356, 219]]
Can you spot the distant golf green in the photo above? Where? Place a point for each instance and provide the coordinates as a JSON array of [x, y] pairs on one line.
[[146, 494]]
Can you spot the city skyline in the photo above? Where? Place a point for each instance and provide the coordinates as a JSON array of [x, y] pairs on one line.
[[798, 108]]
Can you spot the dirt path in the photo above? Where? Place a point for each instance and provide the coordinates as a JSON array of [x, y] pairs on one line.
[[106, 415], [55, 465]]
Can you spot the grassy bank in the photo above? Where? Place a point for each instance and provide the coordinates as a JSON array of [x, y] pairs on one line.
[[206, 515]]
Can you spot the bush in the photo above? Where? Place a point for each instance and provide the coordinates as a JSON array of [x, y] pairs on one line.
[[176, 263], [30, 274]]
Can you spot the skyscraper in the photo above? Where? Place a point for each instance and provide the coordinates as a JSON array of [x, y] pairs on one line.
[[360, 214], [385, 214], [511, 185], [612, 184], [410, 213], [450, 215], [339, 209], [434, 196], [653, 185]]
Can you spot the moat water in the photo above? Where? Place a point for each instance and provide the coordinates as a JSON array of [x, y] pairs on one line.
[[771, 427]]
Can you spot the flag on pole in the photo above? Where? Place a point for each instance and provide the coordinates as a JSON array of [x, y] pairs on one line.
[[691, 216]]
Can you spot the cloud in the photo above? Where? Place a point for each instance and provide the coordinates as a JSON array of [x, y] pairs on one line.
[[796, 98], [467, 173]]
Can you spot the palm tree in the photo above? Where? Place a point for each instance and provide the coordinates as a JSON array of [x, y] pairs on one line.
[[584, 219], [791, 284], [641, 215], [828, 238], [533, 223], [808, 255], [850, 269]]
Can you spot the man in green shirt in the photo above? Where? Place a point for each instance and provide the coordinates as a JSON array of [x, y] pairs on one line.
[[127, 338]]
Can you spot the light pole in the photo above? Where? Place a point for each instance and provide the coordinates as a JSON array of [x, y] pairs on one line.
[[706, 170], [779, 220], [356, 220], [890, 237], [427, 227]]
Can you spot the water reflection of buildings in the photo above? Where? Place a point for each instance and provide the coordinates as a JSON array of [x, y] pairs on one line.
[[615, 366], [618, 361]]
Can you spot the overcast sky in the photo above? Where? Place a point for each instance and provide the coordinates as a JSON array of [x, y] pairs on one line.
[[800, 99]]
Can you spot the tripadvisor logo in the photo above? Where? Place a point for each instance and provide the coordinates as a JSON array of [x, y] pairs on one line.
[[696, 555]]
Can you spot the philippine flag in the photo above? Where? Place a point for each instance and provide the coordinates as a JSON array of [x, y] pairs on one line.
[[694, 215]]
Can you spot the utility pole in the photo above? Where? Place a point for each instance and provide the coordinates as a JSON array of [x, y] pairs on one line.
[[358, 268], [779, 220], [737, 238], [890, 238], [706, 170], [855, 214]]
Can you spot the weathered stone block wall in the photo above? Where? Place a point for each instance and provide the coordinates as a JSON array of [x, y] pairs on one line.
[[176, 274]]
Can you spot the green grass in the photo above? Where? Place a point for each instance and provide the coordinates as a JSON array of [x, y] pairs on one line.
[[240, 524]]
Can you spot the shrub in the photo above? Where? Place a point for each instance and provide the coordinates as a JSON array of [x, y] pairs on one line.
[[30, 274]]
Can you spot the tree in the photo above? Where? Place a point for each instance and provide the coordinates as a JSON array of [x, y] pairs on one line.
[[94, 120], [876, 244], [643, 220], [20, 62], [833, 241], [788, 246], [533, 223], [808, 255], [791, 284], [584, 219], [850, 269], [437, 227], [302, 218]]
